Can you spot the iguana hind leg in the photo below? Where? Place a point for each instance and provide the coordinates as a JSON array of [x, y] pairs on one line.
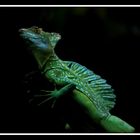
[[55, 94]]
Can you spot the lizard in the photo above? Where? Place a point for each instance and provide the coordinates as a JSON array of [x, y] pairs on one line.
[[88, 89]]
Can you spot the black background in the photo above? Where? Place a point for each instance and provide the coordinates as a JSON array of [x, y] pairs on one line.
[[105, 40]]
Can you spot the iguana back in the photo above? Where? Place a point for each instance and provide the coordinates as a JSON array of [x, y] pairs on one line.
[[93, 86]]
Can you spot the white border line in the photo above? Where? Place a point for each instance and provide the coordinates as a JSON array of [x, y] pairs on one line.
[[69, 5], [97, 134]]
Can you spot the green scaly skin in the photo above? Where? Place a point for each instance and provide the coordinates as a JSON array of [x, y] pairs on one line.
[[42, 46]]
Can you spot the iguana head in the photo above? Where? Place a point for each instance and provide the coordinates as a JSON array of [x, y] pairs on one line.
[[41, 43], [38, 38]]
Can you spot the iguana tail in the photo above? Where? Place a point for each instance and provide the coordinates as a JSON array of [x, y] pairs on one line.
[[115, 124], [110, 123]]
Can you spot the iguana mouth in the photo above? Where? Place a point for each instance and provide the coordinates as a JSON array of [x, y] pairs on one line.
[[22, 30], [22, 33], [26, 34]]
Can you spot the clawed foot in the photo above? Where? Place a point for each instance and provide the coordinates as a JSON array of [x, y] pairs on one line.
[[49, 94], [55, 94]]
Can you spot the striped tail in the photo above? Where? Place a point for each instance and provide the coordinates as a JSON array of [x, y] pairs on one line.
[[115, 124]]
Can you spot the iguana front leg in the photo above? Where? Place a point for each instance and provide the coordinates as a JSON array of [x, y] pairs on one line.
[[56, 93]]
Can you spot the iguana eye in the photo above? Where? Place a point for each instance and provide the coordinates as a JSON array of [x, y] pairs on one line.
[[36, 29]]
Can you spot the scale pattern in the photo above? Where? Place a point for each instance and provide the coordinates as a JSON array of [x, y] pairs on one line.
[[92, 85]]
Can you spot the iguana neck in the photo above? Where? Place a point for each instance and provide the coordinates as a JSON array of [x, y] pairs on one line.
[[49, 59], [43, 57]]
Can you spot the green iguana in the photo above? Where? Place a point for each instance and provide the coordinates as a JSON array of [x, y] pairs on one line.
[[88, 89]]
